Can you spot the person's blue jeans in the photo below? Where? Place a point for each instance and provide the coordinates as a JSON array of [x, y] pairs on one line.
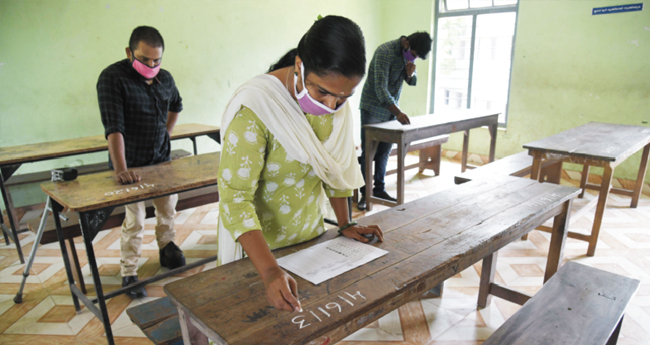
[[381, 156]]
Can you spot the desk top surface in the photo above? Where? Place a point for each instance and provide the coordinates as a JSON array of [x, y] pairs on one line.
[[428, 240], [95, 191], [55, 149], [595, 140], [439, 119]]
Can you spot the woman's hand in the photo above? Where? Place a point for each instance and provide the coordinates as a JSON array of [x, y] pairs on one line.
[[281, 290], [356, 232]]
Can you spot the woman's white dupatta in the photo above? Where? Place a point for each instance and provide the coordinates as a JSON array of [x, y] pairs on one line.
[[334, 160]]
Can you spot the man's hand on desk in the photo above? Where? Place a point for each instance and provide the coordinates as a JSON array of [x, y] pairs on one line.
[[356, 232], [403, 119], [126, 177], [281, 290]]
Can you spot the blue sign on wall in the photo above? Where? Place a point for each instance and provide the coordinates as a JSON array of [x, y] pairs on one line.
[[617, 9]]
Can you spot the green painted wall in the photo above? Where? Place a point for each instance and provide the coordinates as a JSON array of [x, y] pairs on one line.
[[52, 51], [571, 68]]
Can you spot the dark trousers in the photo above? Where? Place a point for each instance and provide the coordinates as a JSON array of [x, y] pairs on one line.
[[381, 156]]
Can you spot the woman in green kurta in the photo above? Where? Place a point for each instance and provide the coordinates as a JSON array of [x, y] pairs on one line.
[[287, 144]]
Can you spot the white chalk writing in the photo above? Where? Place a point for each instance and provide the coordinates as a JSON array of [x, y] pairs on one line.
[[334, 306], [129, 189]]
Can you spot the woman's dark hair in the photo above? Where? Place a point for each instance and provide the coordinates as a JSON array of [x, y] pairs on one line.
[[148, 35], [332, 44], [421, 43]]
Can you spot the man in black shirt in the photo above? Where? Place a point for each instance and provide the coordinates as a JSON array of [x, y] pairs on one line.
[[139, 105]]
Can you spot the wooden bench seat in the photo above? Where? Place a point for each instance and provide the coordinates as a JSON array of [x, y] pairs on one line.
[[430, 152], [578, 305], [519, 164], [71, 228], [158, 320]]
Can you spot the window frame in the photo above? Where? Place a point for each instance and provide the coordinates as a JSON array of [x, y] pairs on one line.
[[474, 12]]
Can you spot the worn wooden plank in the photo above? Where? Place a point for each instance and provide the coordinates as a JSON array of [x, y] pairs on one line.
[[167, 332], [15, 180], [95, 191], [579, 305], [424, 250], [70, 227], [599, 141], [62, 148], [519, 164], [151, 313]]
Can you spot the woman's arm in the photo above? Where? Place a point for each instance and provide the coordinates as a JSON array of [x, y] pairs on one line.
[[281, 288], [340, 206]]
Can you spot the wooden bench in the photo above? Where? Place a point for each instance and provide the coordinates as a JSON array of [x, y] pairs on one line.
[[158, 320], [578, 305], [430, 154], [519, 164]]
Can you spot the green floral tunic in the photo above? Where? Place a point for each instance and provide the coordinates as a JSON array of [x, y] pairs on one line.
[[261, 187]]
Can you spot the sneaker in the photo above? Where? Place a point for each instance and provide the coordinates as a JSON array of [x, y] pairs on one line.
[[383, 195], [171, 256], [362, 204], [138, 292]]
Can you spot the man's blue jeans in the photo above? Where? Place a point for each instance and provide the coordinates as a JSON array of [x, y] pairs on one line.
[[381, 156]]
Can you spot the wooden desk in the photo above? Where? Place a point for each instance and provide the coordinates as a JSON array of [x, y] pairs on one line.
[[595, 144], [429, 240], [95, 196], [11, 158], [422, 127]]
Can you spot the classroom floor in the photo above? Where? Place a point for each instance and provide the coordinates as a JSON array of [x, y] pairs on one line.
[[47, 315]]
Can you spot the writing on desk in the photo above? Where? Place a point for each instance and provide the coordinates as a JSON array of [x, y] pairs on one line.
[[332, 307], [127, 190]]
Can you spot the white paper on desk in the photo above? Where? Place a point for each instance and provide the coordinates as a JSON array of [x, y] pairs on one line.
[[329, 259]]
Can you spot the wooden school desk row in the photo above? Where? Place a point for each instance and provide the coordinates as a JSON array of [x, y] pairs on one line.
[[429, 240], [11, 158]]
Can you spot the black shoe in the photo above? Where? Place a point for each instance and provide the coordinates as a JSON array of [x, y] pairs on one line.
[[362, 204], [383, 195], [171, 256], [138, 292]]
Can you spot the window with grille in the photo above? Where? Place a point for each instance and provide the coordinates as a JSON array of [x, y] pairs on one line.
[[473, 49]]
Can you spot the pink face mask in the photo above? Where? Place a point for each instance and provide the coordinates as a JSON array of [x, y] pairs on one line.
[[144, 70], [307, 103]]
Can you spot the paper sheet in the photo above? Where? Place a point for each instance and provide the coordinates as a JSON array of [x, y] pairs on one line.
[[329, 259]]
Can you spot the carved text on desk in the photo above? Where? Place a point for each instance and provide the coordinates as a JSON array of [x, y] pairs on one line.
[[331, 306], [126, 190], [544, 200]]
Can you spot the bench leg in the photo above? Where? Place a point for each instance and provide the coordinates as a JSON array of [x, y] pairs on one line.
[[76, 267], [463, 160], [402, 148], [640, 176], [583, 180], [558, 239], [430, 159], [487, 277], [600, 209], [191, 334], [553, 172], [371, 149], [613, 339]]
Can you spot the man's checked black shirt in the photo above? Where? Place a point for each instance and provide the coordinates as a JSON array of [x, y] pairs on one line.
[[139, 111]]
